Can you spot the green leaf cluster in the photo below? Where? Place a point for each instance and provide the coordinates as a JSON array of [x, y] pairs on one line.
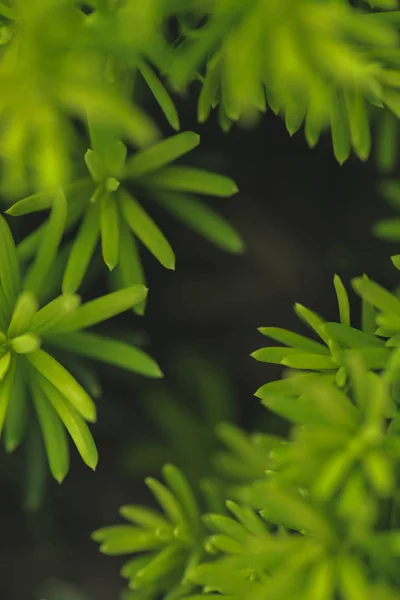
[[31, 337], [107, 208]]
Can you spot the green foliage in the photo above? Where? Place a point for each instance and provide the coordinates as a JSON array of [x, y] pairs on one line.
[[106, 210], [171, 543], [329, 355], [324, 64], [316, 515], [30, 334]]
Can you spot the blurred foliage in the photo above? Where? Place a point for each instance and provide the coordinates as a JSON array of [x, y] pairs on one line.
[[315, 515]]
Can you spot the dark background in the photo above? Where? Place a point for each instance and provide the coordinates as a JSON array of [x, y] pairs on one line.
[[303, 218]]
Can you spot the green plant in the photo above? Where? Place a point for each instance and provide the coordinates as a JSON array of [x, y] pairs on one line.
[[314, 515]]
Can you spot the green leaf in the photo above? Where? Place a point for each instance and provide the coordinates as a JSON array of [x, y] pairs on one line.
[[74, 423], [105, 107], [189, 179], [161, 154], [146, 230], [275, 354], [49, 245], [312, 320], [63, 381], [353, 581], [209, 91], [290, 509], [95, 165], [35, 469], [53, 433], [109, 152], [388, 229], [359, 124], [30, 204], [179, 485], [332, 475], [109, 224], [315, 362], [353, 338], [380, 471], [343, 301], [377, 295], [167, 501], [6, 387], [387, 138], [322, 581], [50, 315], [23, 314], [203, 220], [160, 94], [166, 561], [282, 387], [100, 309], [145, 517], [17, 415], [113, 352], [339, 128], [5, 363], [292, 409], [125, 539], [10, 278], [249, 519], [228, 526], [284, 336], [396, 261], [25, 343], [82, 250], [390, 190], [130, 270]]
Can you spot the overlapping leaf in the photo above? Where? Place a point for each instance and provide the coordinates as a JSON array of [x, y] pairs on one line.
[[29, 334], [111, 208]]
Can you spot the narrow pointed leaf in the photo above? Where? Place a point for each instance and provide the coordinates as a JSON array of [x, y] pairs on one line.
[[353, 338], [74, 423], [189, 179], [315, 362], [284, 336], [49, 246], [10, 278], [63, 381], [5, 363], [17, 415], [312, 320], [50, 315], [343, 301], [109, 224], [101, 309], [146, 230], [53, 432], [339, 128], [113, 352], [34, 203], [25, 343], [166, 500], [203, 220], [6, 387], [23, 314], [130, 270], [161, 95], [179, 485], [161, 154], [143, 516], [377, 295], [275, 354], [82, 250]]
